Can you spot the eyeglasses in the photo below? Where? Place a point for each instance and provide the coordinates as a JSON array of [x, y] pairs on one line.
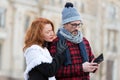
[[74, 25]]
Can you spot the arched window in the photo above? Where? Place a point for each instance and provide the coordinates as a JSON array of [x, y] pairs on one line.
[[112, 40], [27, 22], [111, 12], [0, 54], [82, 7], [2, 17]]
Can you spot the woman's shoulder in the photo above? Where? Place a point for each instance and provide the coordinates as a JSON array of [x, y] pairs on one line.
[[33, 48]]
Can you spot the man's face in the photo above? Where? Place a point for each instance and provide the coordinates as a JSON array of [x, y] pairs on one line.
[[73, 27]]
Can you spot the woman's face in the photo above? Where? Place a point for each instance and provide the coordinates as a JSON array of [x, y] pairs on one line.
[[48, 33]]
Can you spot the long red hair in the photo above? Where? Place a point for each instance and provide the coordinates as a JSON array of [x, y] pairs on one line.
[[34, 32]]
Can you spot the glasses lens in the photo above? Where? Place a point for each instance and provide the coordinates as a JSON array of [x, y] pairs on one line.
[[74, 25]]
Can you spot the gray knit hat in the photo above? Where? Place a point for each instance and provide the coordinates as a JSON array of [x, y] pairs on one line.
[[70, 13]]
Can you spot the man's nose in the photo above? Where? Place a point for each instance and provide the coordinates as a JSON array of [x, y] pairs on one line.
[[77, 28]]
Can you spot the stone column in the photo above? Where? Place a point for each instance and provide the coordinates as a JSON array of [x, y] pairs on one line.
[[17, 54]]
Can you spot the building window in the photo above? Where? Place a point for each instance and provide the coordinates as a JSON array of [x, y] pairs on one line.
[[82, 6], [2, 17], [60, 1], [109, 70], [37, 0], [27, 22], [0, 54], [52, 2], [111, 12], [112, 40], [75, 4]]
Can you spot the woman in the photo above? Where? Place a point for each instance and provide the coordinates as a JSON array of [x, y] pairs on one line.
[[40, 64]]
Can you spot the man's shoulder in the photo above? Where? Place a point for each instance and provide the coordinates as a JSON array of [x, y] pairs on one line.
[[85, 39]]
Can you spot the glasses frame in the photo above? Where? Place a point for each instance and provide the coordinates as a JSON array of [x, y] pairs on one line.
[[74, 25]]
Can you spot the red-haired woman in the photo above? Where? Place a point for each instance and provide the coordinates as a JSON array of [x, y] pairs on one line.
[[40, 64]]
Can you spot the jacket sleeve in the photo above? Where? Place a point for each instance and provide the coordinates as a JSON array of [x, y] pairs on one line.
[[50, 69]]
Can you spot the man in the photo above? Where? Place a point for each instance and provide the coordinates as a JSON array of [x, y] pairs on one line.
[[79, 56]]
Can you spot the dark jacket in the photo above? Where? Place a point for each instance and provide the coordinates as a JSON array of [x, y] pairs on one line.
[[45, 70]]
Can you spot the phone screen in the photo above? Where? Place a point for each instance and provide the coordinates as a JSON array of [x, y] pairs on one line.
[[99, 59]]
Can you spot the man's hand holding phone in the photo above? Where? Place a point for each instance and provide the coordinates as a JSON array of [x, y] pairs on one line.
[[89, 67], [98, 60]]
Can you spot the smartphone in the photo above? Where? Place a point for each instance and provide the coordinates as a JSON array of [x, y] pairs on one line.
[[99, 59]]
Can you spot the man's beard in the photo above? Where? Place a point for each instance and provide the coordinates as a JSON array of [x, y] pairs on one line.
[[75, 32]]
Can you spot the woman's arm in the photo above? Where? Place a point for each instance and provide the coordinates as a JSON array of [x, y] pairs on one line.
[[50, 69]]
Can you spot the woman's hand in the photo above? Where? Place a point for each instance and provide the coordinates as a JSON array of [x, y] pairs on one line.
[[61, 46]]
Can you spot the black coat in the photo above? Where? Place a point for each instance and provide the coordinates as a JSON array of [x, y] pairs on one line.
[[45, 70]]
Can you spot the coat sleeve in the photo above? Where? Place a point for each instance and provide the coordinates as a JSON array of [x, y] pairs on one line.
[[50, 69]]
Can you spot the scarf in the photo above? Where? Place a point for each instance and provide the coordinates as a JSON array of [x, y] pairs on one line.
[[78, 39]]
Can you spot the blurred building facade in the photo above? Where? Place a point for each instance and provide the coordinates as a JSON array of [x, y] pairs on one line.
[[101, 27]]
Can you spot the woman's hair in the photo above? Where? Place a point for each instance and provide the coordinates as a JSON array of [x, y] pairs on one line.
[[34, 32]]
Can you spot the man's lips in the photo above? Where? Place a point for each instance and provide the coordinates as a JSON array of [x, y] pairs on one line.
[[75, 31]]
